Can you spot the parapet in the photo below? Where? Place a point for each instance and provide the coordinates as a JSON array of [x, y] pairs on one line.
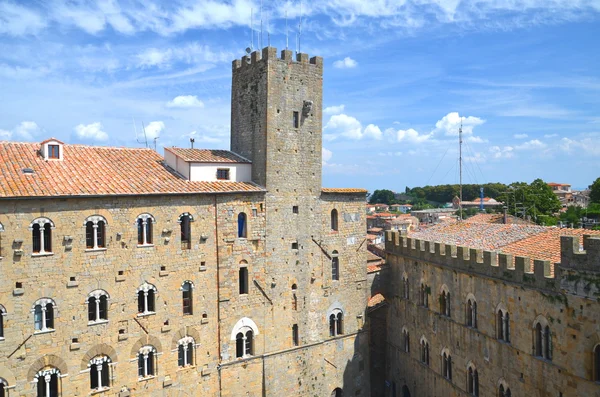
[[573, 257], [534, 273], [270, 53]]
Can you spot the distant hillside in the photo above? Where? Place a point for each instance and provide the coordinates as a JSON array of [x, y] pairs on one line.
[[445, 193]]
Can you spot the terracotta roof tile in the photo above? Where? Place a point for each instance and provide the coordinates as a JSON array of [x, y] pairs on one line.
[[95, 170], [376, 299], [207, 155]]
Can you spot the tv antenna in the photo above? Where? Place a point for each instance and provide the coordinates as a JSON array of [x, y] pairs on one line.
[[300, 27], [460, 168], [155, 139], [192, 140], [136, 134], [286, 31], [251, 30]]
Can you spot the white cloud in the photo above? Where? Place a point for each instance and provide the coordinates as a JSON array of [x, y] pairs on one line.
[[550, 135], [192, 53], [475, 139], [589, 145], [450, 123], [153, 129], [521, 136], [342, 125], [373, 131], [531, 145], [410, 135], [331, 110], [185, 101], [91, 131], [16, 20], [25, 130], [326, 155], [505, 152], [346, 63]]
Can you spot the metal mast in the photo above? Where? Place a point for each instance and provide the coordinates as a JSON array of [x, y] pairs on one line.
[[460, 167]]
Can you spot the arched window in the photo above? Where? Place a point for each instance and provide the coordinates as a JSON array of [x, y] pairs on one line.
[[503, 325], [542, 339], [41, 231], [295, 335], [334, 220], [406, 292], [2, 314], [337, 392], [146, 362], [185, 225], [144, 227], [146, 299], [95, 232], [424, 351], [445, 302], [446, 365], [187, 297], [99, 373], [406, 340], [243, 280], [335, 266], [471, 313], [47, 382], [3, 387], [185, 351], [244, 343], [472, 381], [597, 363], [97, 306], [294, 297], [242, 227], [43, 315], [336, 322], [424, 295]]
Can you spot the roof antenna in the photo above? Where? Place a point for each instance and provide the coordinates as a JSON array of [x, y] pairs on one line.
[[268, 32], [192, 140], [251, 29], [286, 31], [460, 167], [260, 42], [155, 138], [145, 137], [300, 27]]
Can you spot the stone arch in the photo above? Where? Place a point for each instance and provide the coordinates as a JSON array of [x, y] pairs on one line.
[[501, 306], [143, 341], [244, 323], [503, 382], [96, 218], [335, 306], [446, 350], [471, 296], [541, 319], [182, 333], [101, 349], [8, 376], [444, 288], [42, 220], [49, 360]]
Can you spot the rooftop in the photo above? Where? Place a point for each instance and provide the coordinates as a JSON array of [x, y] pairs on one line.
[[342, 190], [96, 171], [207, 155]]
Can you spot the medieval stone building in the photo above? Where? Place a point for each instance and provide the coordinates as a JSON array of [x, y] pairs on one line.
[[473, 322], [203, 273]]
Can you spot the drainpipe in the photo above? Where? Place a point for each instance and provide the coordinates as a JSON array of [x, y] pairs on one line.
[[218, 294]]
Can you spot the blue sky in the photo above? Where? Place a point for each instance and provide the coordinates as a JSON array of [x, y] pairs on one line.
[[400, 76]]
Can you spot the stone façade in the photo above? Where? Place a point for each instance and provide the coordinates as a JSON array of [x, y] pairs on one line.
[[266, 90]]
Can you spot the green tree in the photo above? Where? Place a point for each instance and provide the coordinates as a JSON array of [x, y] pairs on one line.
[[531, 200], [382, 197], [595, 191]]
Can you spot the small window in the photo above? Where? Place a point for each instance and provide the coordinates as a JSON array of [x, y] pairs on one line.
[[406, 288], [294, 297], [41, 230], [504, 392], [242, 227], [503, 325], [597, 363], [146, 299], [295, 337], [471, 313], [425, 352], [334, 220], [243, 280], [447, 366], [406, 340], [223, 174], [473, 381], [187, 297], [2, 314], [336, 323], [244, 343], [296, 119], [53, 151], [185, 226], [43, 315], [95, 235], [295, 209], [295, 245], [47, 382], [3, 387], [144, 224], [335, 266]]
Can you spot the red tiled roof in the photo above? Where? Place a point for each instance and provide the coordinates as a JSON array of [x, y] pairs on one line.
[[207, 155], [342, 190], [376, 300], [95, 170]]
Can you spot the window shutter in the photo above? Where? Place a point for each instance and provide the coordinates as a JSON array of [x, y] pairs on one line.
[[105, 375], [91, 309], [93, 377], [49, 316], [190, 354], [180, 361]]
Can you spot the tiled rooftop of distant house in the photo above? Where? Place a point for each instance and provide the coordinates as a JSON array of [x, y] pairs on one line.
[[207, 155]]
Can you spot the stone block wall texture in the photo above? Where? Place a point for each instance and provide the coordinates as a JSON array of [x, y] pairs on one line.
[[287, 161], [572, 316]]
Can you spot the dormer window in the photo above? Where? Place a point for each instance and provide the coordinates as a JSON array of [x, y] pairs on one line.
[[52, 149], [53, 152]]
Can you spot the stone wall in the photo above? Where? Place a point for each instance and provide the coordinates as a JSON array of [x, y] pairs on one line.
[[529, 296]]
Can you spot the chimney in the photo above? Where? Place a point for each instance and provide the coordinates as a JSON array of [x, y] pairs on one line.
[[192, 142], [505, 218]]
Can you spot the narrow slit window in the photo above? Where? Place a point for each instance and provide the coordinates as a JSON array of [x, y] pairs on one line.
[[296, 119]]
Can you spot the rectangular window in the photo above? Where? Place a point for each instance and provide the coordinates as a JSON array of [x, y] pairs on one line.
[[295, 209], [223, 174], [295, 246], [53, 152], [295, 338], [296, 120], [243, 280]]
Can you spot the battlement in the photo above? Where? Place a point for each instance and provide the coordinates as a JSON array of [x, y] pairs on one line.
[[572, 257], [575, 264], [270, 53]]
